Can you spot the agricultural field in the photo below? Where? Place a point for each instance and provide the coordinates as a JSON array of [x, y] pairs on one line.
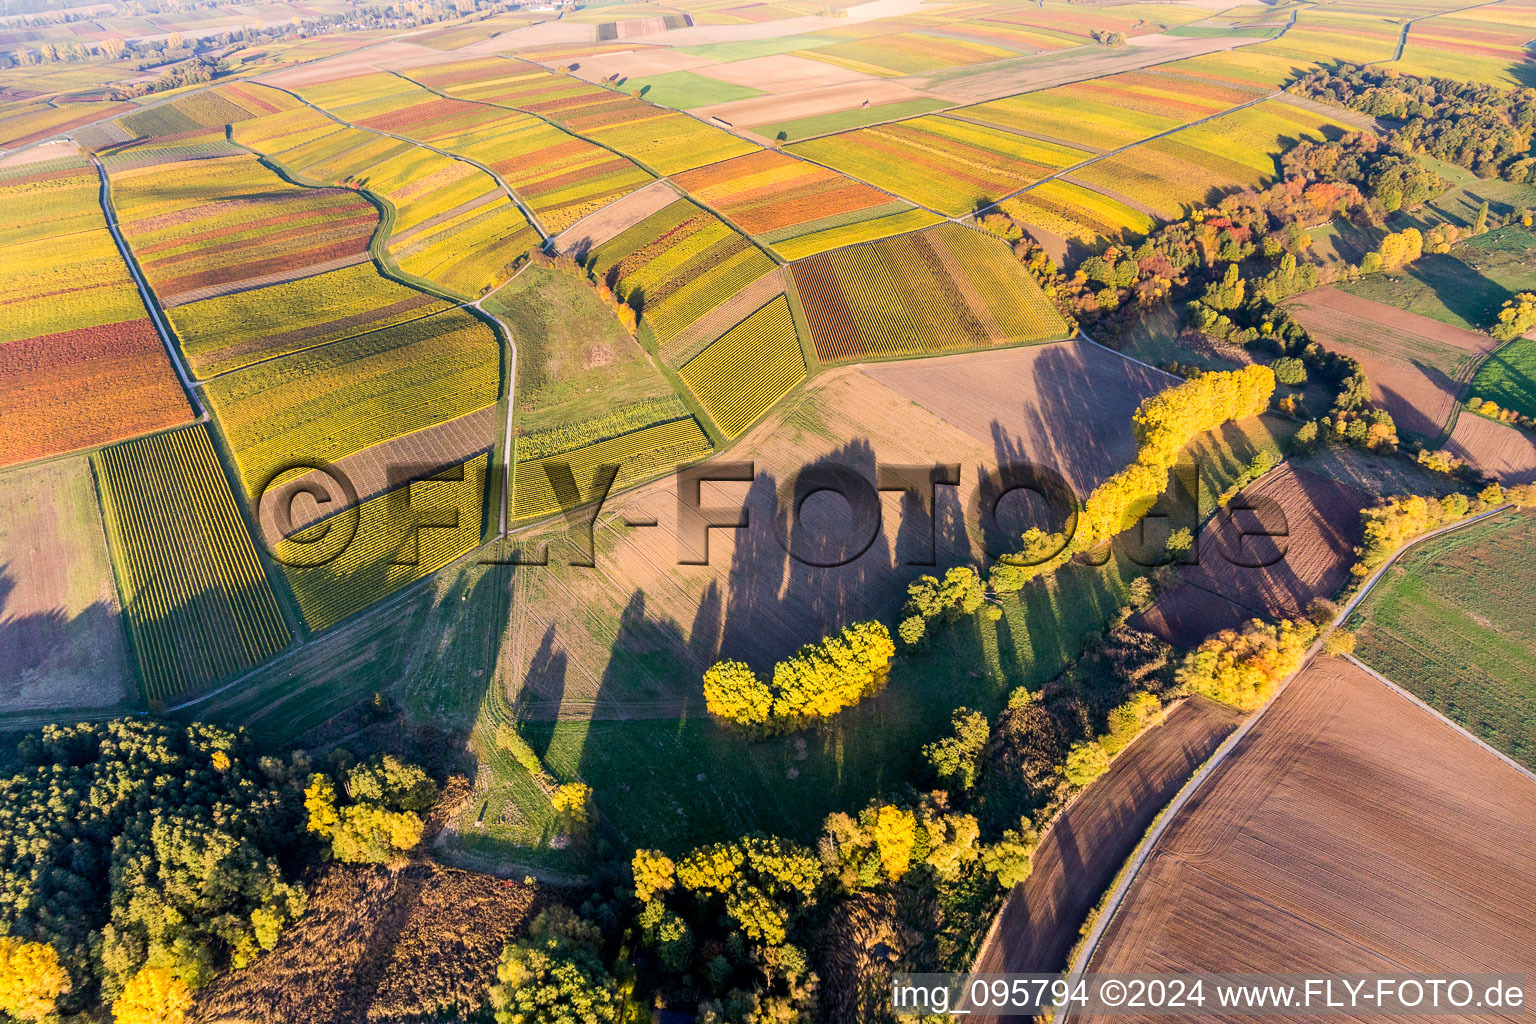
[[1417, 367], [1117, 111], [944, 163], [657, 266], [749, 368], [1064, 215], [76, 344], [210, 108], [1202, 163], [391, 542], [1484, 44], [1279, 544], [1327, 36], [31, 122], [938, 290], [317, 406], [1437, 626], [1347, 811], [205, 228], [664, 141], [60, 619], [199, 605], [906, 53], [798, 208]]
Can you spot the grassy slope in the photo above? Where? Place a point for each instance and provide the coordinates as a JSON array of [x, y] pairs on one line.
[[1465, 287], [1443, 625], [573, 358]]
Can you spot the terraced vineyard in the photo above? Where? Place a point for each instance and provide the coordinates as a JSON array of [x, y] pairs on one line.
[[199, 606], [749, 368], [944, 289], [80, 362]]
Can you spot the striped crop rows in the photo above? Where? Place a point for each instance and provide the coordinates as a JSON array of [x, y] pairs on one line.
[[750, 367]]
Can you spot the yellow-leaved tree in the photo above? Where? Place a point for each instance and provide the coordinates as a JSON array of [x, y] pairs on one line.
[[31, 978], [153, 996], [895, 833]]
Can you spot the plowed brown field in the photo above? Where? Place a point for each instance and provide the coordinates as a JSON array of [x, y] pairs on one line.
[[1417, 367], [1277, 546], [1496, 449], [1350, 831], [1086, 847]]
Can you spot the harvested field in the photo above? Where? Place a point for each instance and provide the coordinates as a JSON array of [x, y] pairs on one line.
[[614, 219], [1028, 402], [1088, 844], [785, 73], [653, 60], [62, 642], [1277, 546], [1349, 831], [394, 53], [377, 945], [1494, 449], [1417, 367]]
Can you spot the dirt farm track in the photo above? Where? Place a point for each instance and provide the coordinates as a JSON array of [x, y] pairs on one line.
[[1349, 831], [1091, 840]]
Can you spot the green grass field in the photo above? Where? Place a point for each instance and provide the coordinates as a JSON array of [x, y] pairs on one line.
[[1447, 624], [574, 361], [1508, 377], [1464, 287], [685, 90]]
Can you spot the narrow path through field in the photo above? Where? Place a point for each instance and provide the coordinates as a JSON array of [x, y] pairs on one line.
[[144, 293], [1139, 858]]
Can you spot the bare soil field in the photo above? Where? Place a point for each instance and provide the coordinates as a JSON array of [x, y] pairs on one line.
[[593, 230], [376, 470], [1027, 74], [784, 72], [546, 33], [377, 945], [1417, 367], [637, 63], [1495, 449], [1088, 844], [1350, 831], [826, 99], [392, 54], [1278, 545], [700, 35], [1029, 402], [62, 643]]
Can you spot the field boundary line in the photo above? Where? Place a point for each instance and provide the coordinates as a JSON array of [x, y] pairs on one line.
[[1412, 698], [145, 295], [1156, 369], [1149, 842]]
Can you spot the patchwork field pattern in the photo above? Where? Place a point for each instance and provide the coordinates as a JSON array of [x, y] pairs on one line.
[[1201, 163], [31, 122], [1484, 44], [208, 108], [749, 368], [906, 53], [796, 207], [677, 265], [393, 541], [939, 290], [199, 605], [944, 163], [663, 140], [80, 362], [1108, 113], [451, 223], [209, 227], [1325, 35], [315, 407]]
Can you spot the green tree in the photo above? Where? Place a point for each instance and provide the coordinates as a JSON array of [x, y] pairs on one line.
[[956, 758], [1085, 762]]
